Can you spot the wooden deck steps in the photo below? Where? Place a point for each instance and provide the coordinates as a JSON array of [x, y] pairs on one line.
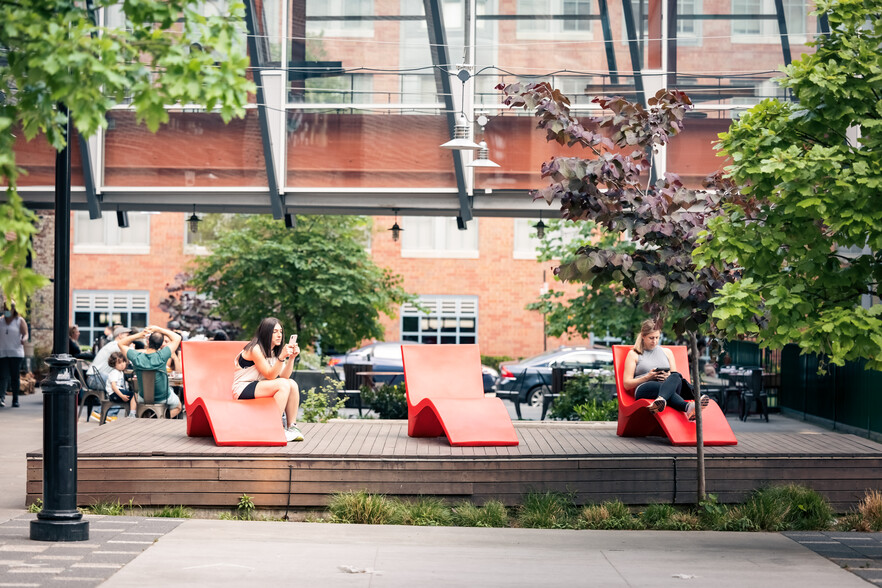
[[154, 463]]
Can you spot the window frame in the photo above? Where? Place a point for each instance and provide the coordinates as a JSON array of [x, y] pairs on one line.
[[439, 308]]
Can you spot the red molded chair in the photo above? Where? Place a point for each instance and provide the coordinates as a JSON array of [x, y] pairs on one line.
[[635, 420], [208, 368], [445, 396]]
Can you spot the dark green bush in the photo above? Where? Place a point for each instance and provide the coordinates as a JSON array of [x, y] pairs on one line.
[[587, 391], [389, 402], [361, 508], [786, 508]]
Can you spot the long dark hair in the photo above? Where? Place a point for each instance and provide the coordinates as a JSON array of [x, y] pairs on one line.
[[264, 337]]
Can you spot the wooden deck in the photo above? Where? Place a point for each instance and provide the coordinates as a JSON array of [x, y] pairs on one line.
[[154, 463]]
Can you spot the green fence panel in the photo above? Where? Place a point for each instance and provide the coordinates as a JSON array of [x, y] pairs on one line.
[[849, 395], [744, 353]]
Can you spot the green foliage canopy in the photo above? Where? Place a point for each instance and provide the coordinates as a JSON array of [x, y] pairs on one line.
[[803, 200], [317, 279], [610, 189], [51, 52]]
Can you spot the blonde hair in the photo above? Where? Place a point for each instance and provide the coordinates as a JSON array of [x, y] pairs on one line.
[[648, 326]]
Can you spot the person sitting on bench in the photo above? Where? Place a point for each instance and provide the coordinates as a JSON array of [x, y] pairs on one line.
[[651, 372], [154, 359], [263, 369]]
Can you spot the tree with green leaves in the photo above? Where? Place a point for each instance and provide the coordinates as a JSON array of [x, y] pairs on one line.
[[611, 188], [609, 310], [52, 52], [803, 200], [318, 279]]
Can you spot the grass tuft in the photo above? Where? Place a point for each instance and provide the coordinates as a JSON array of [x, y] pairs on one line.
[[173, 512], [546, 510], [785, 508], [492, 514], [425, 511], [609, 515], [361, 508], [108, 508], [870, 509]]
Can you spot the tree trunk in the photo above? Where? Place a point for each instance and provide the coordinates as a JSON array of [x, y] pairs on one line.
[[699, 433]]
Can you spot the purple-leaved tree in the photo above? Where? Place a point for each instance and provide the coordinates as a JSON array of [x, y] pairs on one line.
[[612, 188]]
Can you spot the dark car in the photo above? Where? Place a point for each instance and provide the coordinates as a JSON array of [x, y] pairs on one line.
[[385, 356], [527, 380]]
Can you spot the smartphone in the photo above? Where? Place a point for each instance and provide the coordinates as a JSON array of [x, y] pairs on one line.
[[660, 370], [293, 340]]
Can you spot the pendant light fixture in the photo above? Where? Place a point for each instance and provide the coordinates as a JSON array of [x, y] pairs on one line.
[[193, 221], [396, 230]]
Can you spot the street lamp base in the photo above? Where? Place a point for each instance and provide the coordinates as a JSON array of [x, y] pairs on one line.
[[59, 530]]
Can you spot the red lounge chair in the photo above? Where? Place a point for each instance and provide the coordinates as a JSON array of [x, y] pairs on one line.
[[635, 420], [445, 396], [211, 409]]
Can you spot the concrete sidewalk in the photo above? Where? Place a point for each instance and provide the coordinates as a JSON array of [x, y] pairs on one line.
[[138, 551]]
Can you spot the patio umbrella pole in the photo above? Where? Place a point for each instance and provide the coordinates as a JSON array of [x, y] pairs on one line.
[[60, 520]]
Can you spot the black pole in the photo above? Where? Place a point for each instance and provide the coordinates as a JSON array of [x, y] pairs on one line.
[[60, 520]]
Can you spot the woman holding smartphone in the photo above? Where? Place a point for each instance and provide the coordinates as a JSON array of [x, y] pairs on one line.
[[263, 369], [651, 372]]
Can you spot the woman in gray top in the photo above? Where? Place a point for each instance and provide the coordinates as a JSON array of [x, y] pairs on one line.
[[651, 372]]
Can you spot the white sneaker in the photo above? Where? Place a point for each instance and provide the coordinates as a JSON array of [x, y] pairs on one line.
[[292, 433]]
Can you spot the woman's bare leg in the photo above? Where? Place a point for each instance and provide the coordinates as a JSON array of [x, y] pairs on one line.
[[293, 402], [278, 389]]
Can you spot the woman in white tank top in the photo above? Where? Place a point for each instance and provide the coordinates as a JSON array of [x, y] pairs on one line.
[[263, 370], [651, 373]]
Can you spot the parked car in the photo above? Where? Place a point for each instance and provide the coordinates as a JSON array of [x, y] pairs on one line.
[[385, 356], [527, 380]]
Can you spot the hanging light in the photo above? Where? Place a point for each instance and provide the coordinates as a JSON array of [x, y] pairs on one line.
[[462, 133], [540, 228], [122, 218], [193, 221], [483, 159], [396, 230], [290, 221]]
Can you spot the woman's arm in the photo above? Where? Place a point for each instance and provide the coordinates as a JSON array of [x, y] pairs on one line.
[[670, 355], [23, 329], [262, 364], [289, 353], [628, 378]]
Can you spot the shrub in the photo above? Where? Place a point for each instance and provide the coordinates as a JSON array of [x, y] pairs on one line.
[[870, 509], [585, 389], [389, 402], [546, 510], [323, 404], [608, 410], [36, 506], [492, 514], [425, 511], [712, 515], [245, 508], [853, 521], [782, 508], [361, 508]]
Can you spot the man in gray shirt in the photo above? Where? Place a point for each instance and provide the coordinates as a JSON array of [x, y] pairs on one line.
[[100, 365]]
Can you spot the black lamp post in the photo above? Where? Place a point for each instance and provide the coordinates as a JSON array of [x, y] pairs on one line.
[[60, 520]]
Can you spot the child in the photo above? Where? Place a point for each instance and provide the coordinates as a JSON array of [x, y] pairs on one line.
[[116, 382]]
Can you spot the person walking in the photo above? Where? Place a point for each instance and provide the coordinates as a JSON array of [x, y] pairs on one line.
[[13, 334]]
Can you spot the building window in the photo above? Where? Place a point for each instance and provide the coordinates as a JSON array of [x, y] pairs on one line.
[[429, 236], [103, 235], [574, 24], [324, 18], [688, 31], [95, 309], [443, 319], [766, 31], [526, 243]]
